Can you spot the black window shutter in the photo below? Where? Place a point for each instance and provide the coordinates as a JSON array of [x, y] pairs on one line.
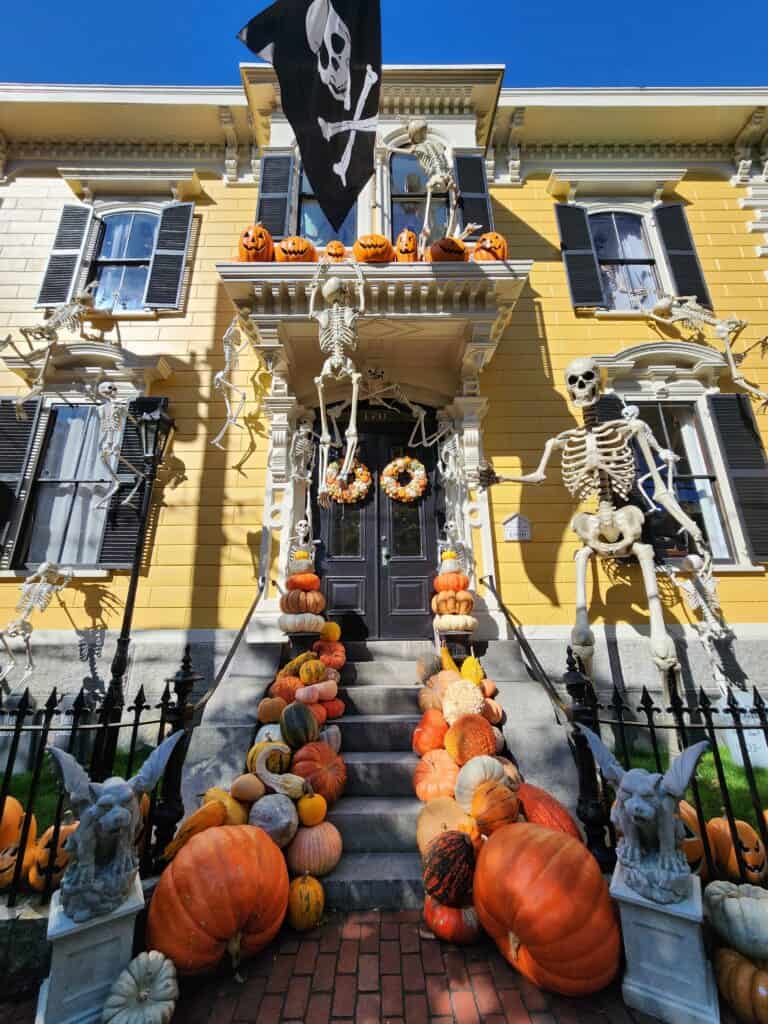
[[66, 256], [744, 456], [16, 438], [609, 407], [475, 201], [681, 253], [274, 193], [124, 524], [166, 271], [579, 257]]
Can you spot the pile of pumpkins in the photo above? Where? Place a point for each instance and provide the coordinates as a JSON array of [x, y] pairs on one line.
[[257, 246], [453, 601], [301, 603], [499, 853]]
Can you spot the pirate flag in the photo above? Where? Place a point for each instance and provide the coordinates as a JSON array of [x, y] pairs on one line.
[[327, 55]]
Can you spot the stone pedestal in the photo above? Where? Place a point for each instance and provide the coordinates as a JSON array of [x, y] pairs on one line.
[[86, 960], [668, 974]]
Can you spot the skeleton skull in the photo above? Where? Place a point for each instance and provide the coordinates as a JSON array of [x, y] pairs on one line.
[[329, 38], [417, 130], [107, 390], [334, 290], [582, 377]]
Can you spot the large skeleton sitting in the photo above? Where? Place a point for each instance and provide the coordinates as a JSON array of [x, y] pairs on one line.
[[338, 336], [598, 461]]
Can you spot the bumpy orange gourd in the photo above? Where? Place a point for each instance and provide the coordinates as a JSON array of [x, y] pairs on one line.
[[335, 251], [255, 245], [227, 889], [373, 249], [541, 808], [447, 250], [429, 734], [743, 983], [297, 601], [542, 898], [435, 776], [407, 247], [494, 803], [323, 768], [724, 855], [285, 687], [41, 854], [451, 581], [468, 737], [295, 249], [490, 246], [331, 652], [312, 672], [303, 581]]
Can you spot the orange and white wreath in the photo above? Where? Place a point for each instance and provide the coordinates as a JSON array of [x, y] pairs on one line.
[[410, 491], [353, 491]]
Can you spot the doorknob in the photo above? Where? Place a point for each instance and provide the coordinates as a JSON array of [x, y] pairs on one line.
[[384, 555]]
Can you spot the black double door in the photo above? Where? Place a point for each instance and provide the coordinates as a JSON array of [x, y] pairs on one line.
[[377, 557]]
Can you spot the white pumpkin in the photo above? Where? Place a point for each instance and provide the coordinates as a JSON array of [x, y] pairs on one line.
[[462, 698], [300, 565], [451, 565], [739, 914], [278, 816], [331, 735], [326, 690], [455, 623], [476, 771], [305, 622], [144, 993]]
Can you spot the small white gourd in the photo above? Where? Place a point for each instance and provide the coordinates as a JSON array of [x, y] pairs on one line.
[[144, 993], [292, 786]]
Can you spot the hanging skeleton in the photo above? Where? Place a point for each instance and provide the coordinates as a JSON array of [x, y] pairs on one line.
[[301, 541], [113, 415], [598, 461], [37, 592], [631, 414], [237, 338], [302, 459], [338, 335]]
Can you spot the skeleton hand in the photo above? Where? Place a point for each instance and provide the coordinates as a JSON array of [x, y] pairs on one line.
[[668, 456]]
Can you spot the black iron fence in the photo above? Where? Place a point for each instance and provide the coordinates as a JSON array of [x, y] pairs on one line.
[[108, 738], [728, 784]]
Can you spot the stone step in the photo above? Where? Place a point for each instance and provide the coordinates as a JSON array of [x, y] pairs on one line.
[[385, 824], [376, 773], [375, 881], [380, 700], [374, 673], [376, 732], [387, 650]]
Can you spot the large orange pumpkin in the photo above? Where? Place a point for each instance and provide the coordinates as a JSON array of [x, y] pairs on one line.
[[373, 249], [494, 803], [323, 768], [335, 251], [447, 250], [435, 775], [542, 898], [724, 855], [490, 246], [468, 737], [225, 891], [430, 732], [407, 247], [332, 653], [295, 250], [743, 983], [541, 808], [451, 581], [303, 581], [296, 601], [255, 245]]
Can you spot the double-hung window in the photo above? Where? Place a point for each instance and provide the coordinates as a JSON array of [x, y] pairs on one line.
[[122, 260], [627, 263]]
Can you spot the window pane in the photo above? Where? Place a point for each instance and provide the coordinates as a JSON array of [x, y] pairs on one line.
[[406, 176], [108, 286], [86, 525], [410, 214], [141, 241], [629, 227], [314, 225], [63, 451], [346, 525], [117, 228], [49, 522], [604, 236], [616, 286], [475, 211], [131, 294], [406, 529], [644, 289]]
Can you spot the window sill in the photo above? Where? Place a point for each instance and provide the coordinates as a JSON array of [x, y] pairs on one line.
[[78, 574], [621, 314], [739, 567], [138, 314]]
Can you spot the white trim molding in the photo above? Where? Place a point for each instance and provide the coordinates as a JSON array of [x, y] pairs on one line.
[[663, 369], [607, 179], [75, 365], [757, 200], [181, 183]]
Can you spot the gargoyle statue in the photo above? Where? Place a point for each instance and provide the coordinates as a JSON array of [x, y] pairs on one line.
[[645, 814], [102, 854]]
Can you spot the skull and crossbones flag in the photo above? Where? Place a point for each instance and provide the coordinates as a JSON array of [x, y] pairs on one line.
[[327, 56]]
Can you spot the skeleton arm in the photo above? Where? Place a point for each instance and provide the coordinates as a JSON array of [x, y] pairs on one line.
[[539, 475], [314, 288], [360, 289]]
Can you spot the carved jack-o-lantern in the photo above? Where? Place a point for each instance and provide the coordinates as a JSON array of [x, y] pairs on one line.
[[407, 247], [490, 246], [295, 249], [373, 249], [447, 250], [335, 251], [255, 245], [724, 854]]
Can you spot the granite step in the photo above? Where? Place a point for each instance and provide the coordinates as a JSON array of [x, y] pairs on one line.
[[385, 824], [360, 651], [376, 732], [380, 700], [375, 881], [376, 773], [374, 673]]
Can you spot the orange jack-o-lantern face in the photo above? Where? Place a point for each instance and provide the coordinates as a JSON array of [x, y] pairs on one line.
[[335, 251], [490, 246], [255, 245], [407, 246], [724, 854], [692, 844], [295, 249], [373, 249], [447, 250]]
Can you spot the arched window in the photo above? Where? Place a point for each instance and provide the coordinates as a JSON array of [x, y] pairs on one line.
[[627, 264], [123, 255]]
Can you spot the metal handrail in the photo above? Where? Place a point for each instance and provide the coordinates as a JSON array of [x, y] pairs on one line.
[[535, 667]]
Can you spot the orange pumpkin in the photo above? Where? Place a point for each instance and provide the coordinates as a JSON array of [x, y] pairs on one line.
[[435, 775], [11, 853], [41, 858], [692, 844], [743, 983], [332, 653], [303, 581], [724, 855], [492, 711], [468, 737], [542, 898], [323, 768], [270, 709], [334, 708], [489, 688], [458, 925], [453, 602], [295, 249], [10, 826], [447, 250], [494, 803], [255, 245], [407, 247], [451, 581], [285, 687], [373, 249], [490, 246], [319, 712], [429, 734], [226, 889], [335, 251], [541, 808], [297, 601]]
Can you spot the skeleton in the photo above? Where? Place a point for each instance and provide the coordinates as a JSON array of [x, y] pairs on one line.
[[103, 862], [597, 460], [302, 457], [330, 40], [451, 541], [237, 338], [301, 539], [113, 415], [338, 335], [645, 813], [37, 592], [631, 413]]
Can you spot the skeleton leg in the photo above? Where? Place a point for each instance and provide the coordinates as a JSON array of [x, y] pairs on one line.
[[4, 673], [425, 228], [662, 647], [453, 205], [582, 637], [232, 417], [351, 432], [325, 447]]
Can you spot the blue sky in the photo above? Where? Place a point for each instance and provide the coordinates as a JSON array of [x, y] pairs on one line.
[[595, 42]]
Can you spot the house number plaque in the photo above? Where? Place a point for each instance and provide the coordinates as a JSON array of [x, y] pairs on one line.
[[517, 528]]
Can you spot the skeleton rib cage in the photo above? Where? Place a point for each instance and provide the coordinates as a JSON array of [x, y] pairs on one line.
[[590, 453]]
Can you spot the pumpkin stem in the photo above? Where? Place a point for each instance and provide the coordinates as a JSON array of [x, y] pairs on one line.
[[233, 948], [514, 944]]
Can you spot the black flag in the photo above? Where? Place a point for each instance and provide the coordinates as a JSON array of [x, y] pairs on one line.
[[327, 55]]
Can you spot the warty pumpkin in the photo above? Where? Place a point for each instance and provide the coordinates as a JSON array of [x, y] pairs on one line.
[[450, 581], [331, 631], [739, 915], [458, 925], [311, 672], [441, 815], [435, 775], [301, 622], [541, 897], [227, 890], [447, 250], [494, 804], [724, 855], [255, 245], [270, 709], [475, 772], [541, 808], [430, 732], [331, 652], [469, 736], [334, 708], [314, 850], [449, 865], [291, 668], [298, 725], [490, 246], [297, 601], [743, 984], [295, 249], [407, 247], [277, 816], [373, 249], [307, 581], [306, 902], [210, 815], [237, 813], [42, 854], [323, 768], [335, 251]]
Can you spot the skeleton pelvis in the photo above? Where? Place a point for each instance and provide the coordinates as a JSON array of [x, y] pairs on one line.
[[612, 533]]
